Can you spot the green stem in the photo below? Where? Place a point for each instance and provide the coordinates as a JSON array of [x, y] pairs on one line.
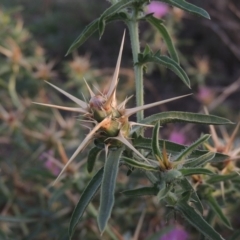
[[12, 88], [138, 70]]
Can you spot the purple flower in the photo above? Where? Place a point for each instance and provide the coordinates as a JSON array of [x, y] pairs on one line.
[[159, 9], [205, 95], [175, 234], [50, 162], [177, 137]]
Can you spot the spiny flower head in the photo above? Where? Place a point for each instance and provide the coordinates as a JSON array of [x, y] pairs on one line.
[[111, 127]]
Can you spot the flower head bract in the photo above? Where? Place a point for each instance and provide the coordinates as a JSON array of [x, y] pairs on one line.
[[110, 119]]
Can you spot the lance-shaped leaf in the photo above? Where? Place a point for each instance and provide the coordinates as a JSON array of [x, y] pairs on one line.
[[85, 199], [174, 148], [108, 187], [93, 27], [197, 221], [131, 111], [175, 116], [186, 186], [140, 165], [222, 178], [84, 144], [185, 153], [143, 191], [182, 4], [166, 62], [163, 31], [92, 156], [200, 161], [218, 210], [192, 171], [155, 143], [114, 8]]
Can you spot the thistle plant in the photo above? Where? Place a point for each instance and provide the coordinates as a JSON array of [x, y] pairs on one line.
[[167, 165]]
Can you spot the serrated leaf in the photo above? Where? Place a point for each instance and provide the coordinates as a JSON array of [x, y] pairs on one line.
[[186, 152], [92, 28], [218, 210], [200, 161], [175, 116], [186, 185], [115, 8], [168, 63], [197, 221], [187, 7], [86, 33], [192, 171], [165, 35], [174, 148], [221, 178], [92, 156], [143, 191], [155, 142], [108, 187], [85, 199], [140, 165]]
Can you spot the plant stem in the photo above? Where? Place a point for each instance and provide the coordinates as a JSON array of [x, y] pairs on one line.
[[12, 88], [138, 70]]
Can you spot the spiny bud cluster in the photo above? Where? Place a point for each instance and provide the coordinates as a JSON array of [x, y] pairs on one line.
[[111, 125]]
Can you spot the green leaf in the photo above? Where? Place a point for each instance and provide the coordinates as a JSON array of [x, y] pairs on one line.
[[168, 63], [197, 221], [115, 8], [163, 31], [200, 161], [87, 32], [192, 171], [155, 142], [175, 116], [141, 192], [218, 210], [85, 199], [187, 7], [186, 152], [171, 175], [221, 178], [91, 28], [141, 165], [164, 191], [108, 187], [174, 148], [186, 186], [92, 156]]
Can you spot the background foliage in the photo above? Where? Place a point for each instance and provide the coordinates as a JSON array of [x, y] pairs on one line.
[[35, 141]]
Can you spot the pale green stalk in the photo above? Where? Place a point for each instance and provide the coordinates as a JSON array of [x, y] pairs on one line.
[[138, 70]]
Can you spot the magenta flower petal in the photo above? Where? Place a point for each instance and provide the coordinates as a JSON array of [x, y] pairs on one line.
[[177, 137], [159, 9], [175, 234]]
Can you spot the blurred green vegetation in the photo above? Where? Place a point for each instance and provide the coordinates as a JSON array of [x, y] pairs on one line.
[[35, 141]]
